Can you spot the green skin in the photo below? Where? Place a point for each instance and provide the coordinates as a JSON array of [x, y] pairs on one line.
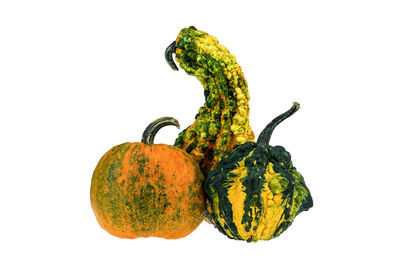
[[222, 121], [256, 156], [291, 185]]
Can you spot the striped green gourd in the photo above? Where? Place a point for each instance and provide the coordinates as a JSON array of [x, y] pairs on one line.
[[255, 192]]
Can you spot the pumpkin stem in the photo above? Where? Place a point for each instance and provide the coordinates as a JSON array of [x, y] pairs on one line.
[[265, 135], [168, 55], [151, 130]]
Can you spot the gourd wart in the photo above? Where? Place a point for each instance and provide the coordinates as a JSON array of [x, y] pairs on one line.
[[223, 121]]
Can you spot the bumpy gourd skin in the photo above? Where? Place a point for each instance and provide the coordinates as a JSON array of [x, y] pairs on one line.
[[255, 192], [223, 121]]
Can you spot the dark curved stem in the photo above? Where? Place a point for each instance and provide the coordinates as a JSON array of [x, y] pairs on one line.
[[265, 135], [168, 55], [151, 130]]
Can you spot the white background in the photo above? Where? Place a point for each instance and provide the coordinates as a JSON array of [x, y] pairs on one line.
[[78, 77]]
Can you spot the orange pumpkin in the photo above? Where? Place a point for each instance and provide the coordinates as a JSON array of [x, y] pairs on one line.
[[145, 189]]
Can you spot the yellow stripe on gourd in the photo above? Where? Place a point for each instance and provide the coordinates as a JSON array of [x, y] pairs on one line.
[[272, 215], [236, 197]]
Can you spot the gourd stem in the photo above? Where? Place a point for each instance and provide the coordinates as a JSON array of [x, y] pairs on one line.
[[265, 135], [151, 130], [168, 55]]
